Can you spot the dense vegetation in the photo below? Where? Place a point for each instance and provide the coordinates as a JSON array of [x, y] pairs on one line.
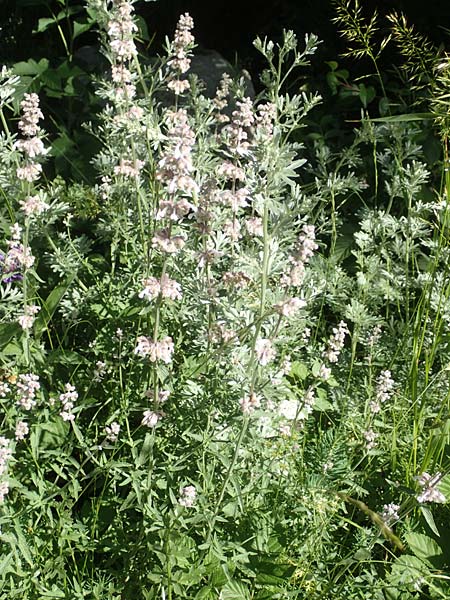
[[224, 320]]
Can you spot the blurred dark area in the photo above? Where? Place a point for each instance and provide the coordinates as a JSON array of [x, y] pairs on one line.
[[228, 26], [59, 66]]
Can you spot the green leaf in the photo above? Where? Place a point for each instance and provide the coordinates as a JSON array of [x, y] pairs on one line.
[[444, 486], [423, 546], [79, 28], [403, 118], [31, 67], [49, 307], [7, 332], [22, 543], [299, 370], [428, 516], [235, 590]]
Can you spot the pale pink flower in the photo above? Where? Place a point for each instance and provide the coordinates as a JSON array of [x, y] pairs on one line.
[[162, 350], [265, 352], [231, 171], [29, 172], [266, 116], [129, 168], [18, 256], [163, 395], [232, 230], [32, 147], [296, 274], [120, 74], [249, 403], [188, 496], [178, 86], [33, 205], [168, 288], [68, 398], [220, 99], [336, 342], [385, 386], [21, 431], [254, 226], [390, 513], [174, 209], [150, 418], [27, 386], [166, 242], [4, 489], [5, 454], [16, 233], [324, 372], [370, 436], [31, 115], [182, 43], [4, 389], [289, 307], [430, 492], [112, 432], [151, 288], [26, 320]]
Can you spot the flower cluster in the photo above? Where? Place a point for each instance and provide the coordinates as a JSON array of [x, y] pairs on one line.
[[112, 432], [264, 350], [33, 205], [31, 144], [220, 99], [120, 31], [179, 61], [175, 166], [17, 259], [150, 418], [430, 491], [5, 456], [21, 430], [236, 133], [370, 436], [168, 288], [390, 513], [336, 342], [306, 245], [155, 351], [384, 390], [67, 399], [27, 385], [27, 319], [289, 307], [188, 496], [249, 403]]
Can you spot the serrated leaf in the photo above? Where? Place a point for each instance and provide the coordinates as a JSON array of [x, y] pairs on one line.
[[234, 590], [423, 546]]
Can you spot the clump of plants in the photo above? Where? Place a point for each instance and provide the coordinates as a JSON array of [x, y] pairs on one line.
[[211, 387]]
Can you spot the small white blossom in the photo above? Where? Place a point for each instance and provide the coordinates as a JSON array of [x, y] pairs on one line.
[[4, 489], [150, 418], [430, 492], [265, 351], [162, 350], [188, 496], [21, 431], [390, 513], [249, 403], [112, 432]]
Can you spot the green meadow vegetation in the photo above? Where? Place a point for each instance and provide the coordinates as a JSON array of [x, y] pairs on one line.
[[224, 326]]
